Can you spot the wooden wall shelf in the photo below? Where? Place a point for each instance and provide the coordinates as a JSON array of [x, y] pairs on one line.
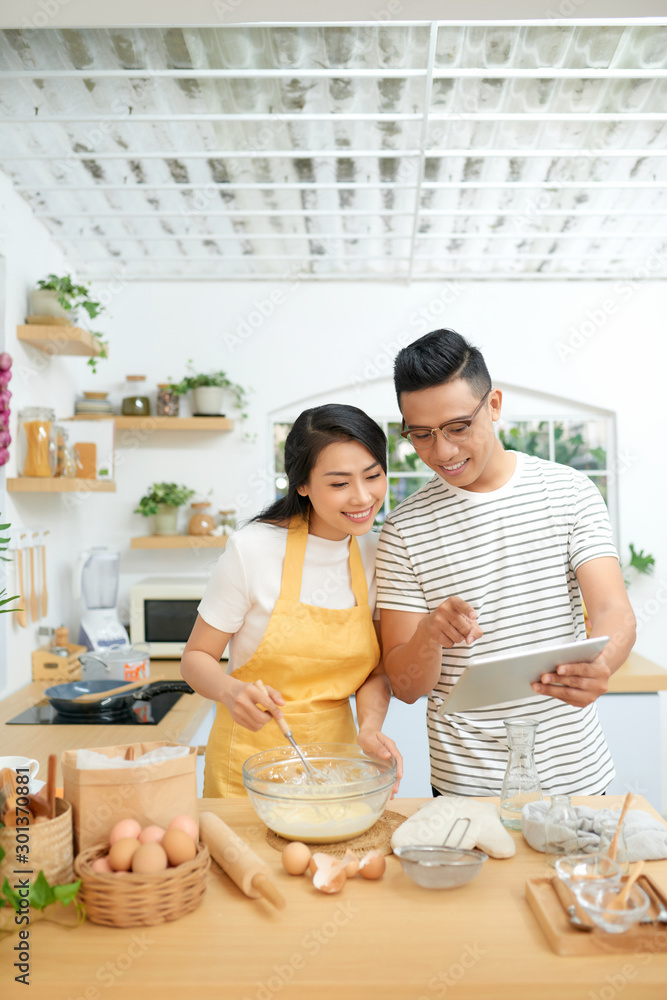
[[60, 340], [59, 484], [179, 541], [163, 423]]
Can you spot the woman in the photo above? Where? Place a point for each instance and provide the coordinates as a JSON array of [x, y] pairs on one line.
[[291, 596]]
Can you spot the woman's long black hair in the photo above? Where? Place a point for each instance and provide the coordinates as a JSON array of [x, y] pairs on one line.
[[311, 432]]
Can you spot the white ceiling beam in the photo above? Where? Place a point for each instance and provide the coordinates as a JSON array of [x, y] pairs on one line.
[[354, 185], [252, 237], [347, 258], [439, 276], [421, 166], [340, 153], [307, 213], [130, 118], [341, 72]]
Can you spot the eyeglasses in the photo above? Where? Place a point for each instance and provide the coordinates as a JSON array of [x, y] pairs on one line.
[[423, 438]]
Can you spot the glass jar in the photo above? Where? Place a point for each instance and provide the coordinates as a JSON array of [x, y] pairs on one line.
[[200, 522], [167, 400], [65, 461], [134, 403], [521, 783], [37, 441], [560, 829], [227, 521]]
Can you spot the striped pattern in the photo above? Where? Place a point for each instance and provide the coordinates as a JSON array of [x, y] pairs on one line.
[[512, 554]]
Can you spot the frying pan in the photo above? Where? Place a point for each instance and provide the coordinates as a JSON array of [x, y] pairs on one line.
[[61, 696]]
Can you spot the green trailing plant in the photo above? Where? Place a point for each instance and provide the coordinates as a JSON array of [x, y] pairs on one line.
[[5, 600], [643, 564], [169, 494], [74, 297], [197, 380]]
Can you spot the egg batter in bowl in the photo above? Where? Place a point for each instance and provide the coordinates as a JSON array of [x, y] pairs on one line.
[[349, 796]]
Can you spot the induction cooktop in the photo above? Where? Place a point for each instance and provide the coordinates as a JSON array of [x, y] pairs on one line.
[[140, 713]]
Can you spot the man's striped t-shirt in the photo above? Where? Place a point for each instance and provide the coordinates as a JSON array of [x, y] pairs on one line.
[[512, 554]]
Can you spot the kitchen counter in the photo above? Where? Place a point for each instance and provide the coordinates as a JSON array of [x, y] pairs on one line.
[[178, 726], [384, 940], [638, 675]]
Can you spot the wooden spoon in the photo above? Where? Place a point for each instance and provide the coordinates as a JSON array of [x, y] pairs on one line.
[[613, 844], [34, 601], [45, 594], [20, 614], [51, 785], [621, 899], [88, 699]]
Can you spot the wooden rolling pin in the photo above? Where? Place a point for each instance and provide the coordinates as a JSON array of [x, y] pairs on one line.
[[238, 860]]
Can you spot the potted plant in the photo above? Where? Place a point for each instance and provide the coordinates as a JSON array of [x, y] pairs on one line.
[[209, 390], [162, 501], [61, 299]]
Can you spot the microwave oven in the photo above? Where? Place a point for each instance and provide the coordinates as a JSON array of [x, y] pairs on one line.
[[163, 611]]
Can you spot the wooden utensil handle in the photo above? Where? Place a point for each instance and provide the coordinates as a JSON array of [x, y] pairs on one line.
[[87, 699], [273, 708], [267, 889], [620, 900]]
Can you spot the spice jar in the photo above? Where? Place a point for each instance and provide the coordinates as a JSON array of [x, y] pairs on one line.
[[135, 403], [37, 441], [200, 523], [228, 521], [65, 461], [167, 400]]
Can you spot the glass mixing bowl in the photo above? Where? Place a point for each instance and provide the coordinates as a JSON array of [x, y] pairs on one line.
[[598, 901], [348, 795], [577, 870]]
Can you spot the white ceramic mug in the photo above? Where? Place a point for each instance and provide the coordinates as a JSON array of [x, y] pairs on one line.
[[19, 764]]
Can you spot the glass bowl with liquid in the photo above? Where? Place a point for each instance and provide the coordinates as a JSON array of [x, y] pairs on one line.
[[347, 795]]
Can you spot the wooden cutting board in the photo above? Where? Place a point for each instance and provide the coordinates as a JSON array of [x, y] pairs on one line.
[[567, 940]]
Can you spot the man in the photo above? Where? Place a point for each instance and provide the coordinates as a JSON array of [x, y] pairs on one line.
[[490, 556]]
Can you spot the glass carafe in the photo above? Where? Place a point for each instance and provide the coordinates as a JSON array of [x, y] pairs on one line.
[[521, 783]]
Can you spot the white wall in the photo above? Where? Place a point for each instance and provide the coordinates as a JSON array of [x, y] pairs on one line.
[[338, 341], [29, 254]]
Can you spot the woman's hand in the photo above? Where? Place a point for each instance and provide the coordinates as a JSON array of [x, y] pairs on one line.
[[249, 706], [373, 741]]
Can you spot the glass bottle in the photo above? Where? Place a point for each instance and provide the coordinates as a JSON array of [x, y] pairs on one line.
[[65, 462], [167, 400], [37, 441], [227, 521], [134, 403], [560, 829], [521, 783]]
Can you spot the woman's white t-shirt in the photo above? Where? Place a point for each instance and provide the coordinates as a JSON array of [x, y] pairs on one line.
[[245, 583]]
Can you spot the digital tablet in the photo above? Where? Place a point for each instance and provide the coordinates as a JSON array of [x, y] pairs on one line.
[[495, 680]]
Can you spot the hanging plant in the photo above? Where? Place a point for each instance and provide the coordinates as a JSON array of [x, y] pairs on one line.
[[73, 297]]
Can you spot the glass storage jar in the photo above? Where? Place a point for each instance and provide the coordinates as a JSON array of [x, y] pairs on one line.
[[135, 403], [65, 461], [167, 400], [227, 521], [37, 441]]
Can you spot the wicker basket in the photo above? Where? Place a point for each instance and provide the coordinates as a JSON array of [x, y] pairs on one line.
[[140, 900], [51, 848]]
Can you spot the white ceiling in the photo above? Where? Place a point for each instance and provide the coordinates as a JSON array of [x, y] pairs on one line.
[[395, 151]]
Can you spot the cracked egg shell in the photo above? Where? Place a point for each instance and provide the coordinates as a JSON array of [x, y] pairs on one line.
[[329, 875], [372, 865]]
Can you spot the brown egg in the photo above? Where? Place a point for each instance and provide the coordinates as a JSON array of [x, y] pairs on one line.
[[101, 865], [151, 835], [329, 873], [187, 824], [124, 828], [149, 859], [296, 858], [351, 862], [372, 865], [179, 847], [120, 855]]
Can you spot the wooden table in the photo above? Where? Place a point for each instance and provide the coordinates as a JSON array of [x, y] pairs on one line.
[[385, 940]]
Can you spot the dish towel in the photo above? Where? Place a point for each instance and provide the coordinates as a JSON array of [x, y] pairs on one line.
[[645, 836]]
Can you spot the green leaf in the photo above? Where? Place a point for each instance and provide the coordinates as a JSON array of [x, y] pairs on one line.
[[10, 895], [41, 893], [642, 563], [2, 853], [66, 893]]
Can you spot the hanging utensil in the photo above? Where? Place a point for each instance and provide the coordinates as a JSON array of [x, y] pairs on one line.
[[34, 603], [287, 733], [45, 596], [21, 614]]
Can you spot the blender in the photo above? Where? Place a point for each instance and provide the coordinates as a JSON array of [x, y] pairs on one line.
[[96, 580]]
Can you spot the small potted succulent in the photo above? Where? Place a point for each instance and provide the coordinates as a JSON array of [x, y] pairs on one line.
[[62, 300], [209, 390], [162, 501]]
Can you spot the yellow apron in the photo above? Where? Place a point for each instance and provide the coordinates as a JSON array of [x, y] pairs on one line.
[[316, 658]]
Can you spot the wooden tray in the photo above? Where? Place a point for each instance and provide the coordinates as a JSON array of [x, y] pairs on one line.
[[567, 940]]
